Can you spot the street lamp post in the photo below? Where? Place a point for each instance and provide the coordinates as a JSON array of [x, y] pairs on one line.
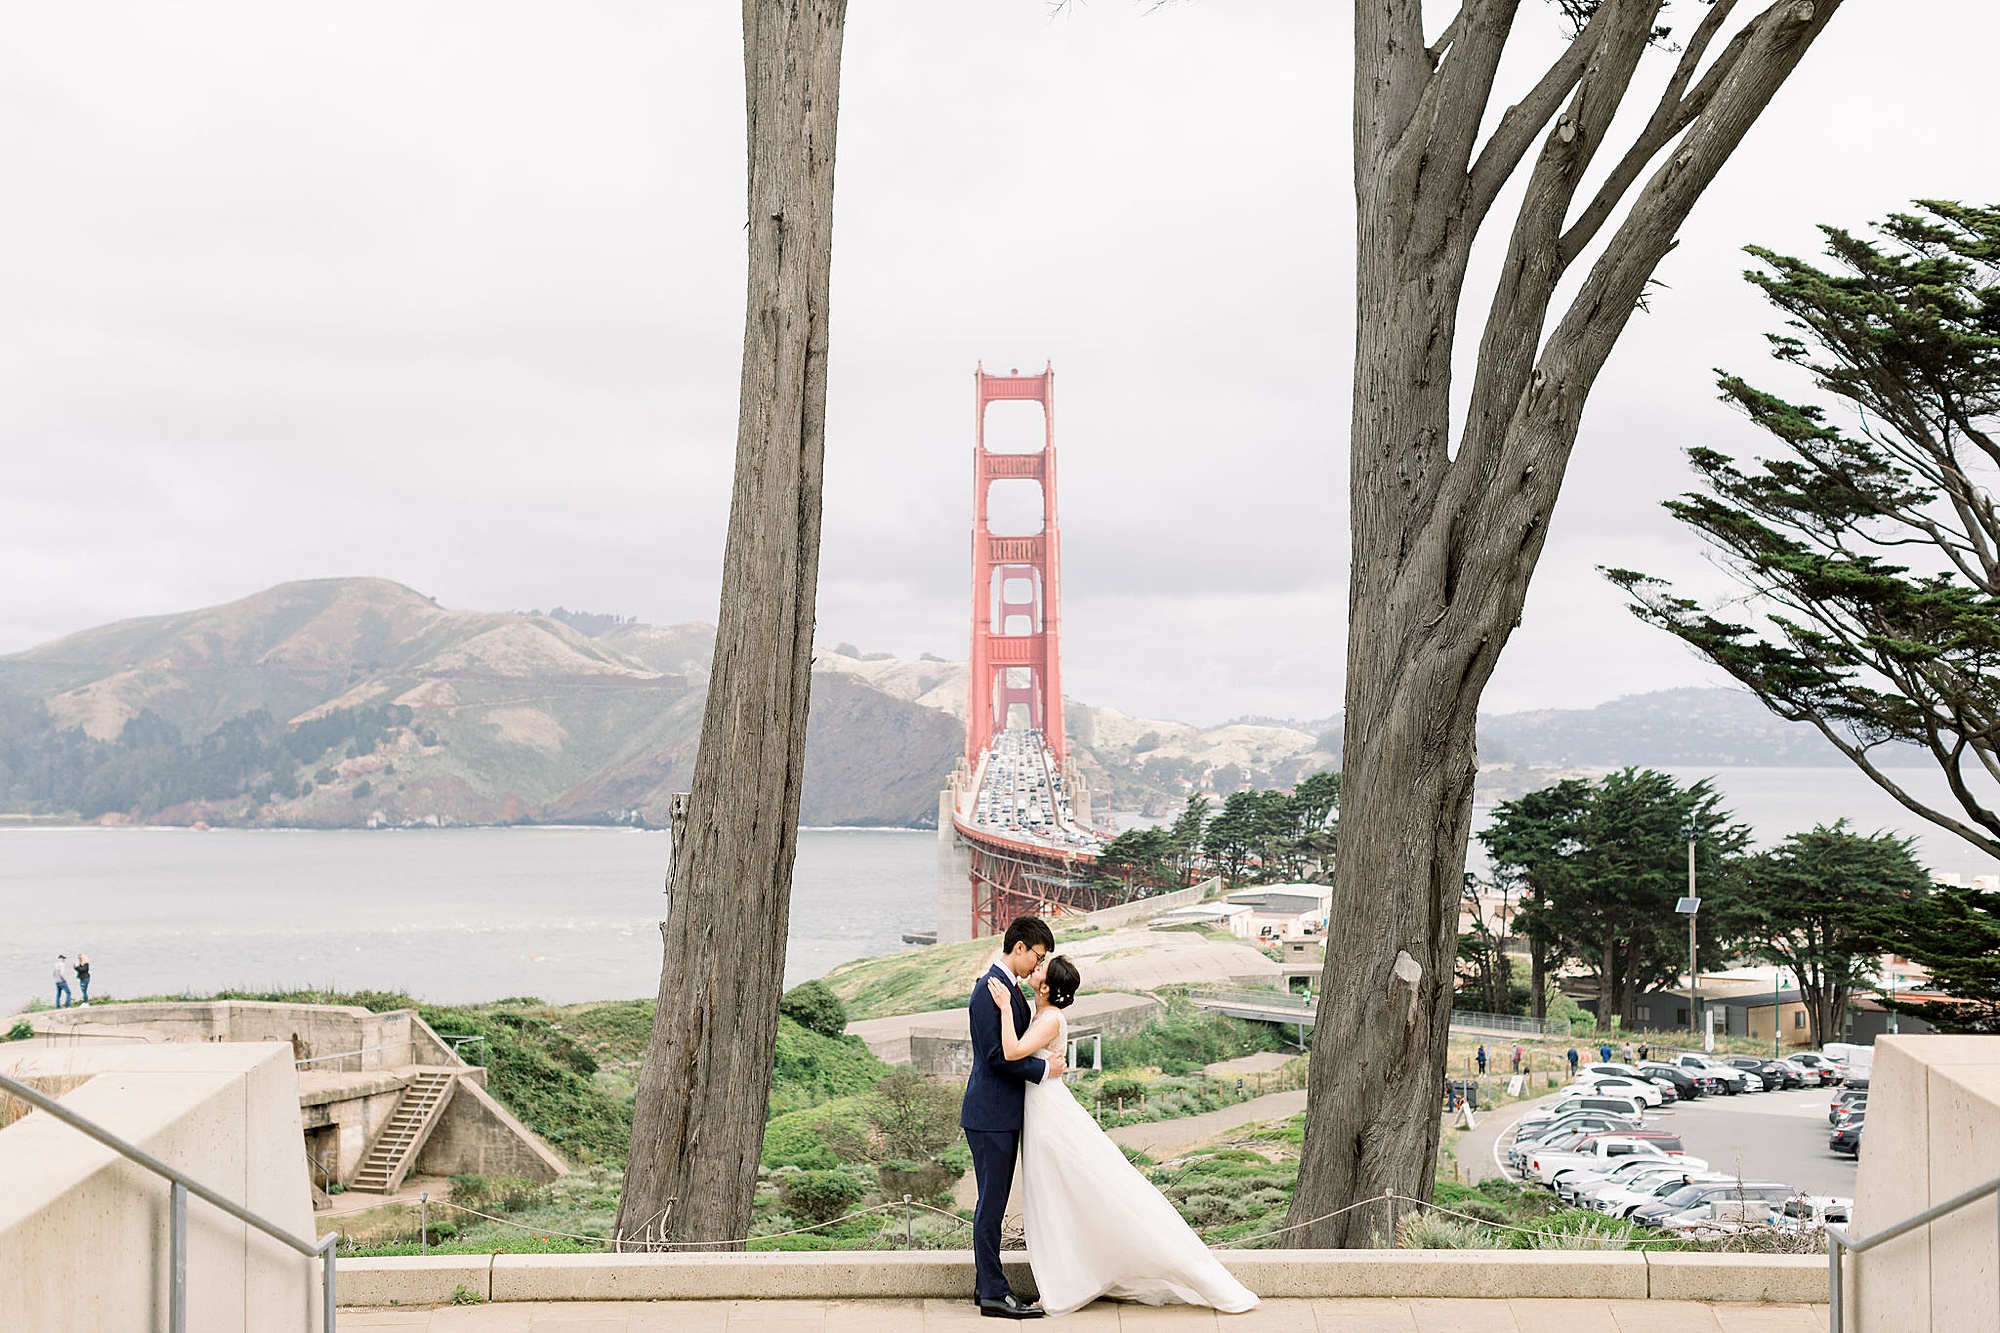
[[1687, 907], [1894, 977]]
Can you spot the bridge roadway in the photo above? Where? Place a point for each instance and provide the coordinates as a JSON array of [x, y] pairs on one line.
[[1030, 852]]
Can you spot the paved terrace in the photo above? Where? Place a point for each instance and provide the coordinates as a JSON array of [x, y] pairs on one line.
[[1273, 1316]]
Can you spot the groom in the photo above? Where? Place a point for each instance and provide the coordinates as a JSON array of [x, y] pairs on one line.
[[991, 1116]]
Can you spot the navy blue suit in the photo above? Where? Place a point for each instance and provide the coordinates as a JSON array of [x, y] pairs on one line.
[[991, 1119]]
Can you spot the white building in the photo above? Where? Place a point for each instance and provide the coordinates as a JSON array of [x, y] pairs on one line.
[[1285, 910], [1232, 917]]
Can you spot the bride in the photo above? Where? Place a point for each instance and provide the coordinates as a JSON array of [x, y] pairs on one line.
[[1096, 1227]]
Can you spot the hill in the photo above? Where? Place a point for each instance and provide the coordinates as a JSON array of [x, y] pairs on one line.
[[352, 702]]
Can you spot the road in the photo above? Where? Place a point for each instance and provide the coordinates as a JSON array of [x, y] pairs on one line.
[[1764, 1135]]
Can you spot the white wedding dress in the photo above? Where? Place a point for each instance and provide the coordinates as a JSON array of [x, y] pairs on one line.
[[1095, 1226]]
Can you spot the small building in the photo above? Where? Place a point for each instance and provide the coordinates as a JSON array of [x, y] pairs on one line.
[[1282, 911], [1232, 917]]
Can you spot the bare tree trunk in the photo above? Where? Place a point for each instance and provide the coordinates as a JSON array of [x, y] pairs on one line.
[[698, 1127], [1444, 541]]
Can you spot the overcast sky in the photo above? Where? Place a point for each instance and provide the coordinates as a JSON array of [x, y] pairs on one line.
[[451, 293]]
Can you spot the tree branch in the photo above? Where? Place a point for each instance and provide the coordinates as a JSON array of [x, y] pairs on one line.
[[1517, 129], [1675, 112]]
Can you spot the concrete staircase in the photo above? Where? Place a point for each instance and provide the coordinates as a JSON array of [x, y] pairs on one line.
[[396, 1147]]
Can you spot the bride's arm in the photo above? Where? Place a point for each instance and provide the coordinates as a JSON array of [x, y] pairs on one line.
[[1013, 1045]]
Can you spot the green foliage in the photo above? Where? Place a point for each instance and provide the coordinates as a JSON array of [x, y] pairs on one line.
[[496, 1194], [1824, 904], [814, 1007], [810, 1068], [20, 1031], [818, 1138], [1426, 1230], [915, 1117], [153, 764], [464, 1295], [538, 1071], [819, 1196], [1867, 543], [1954, 933], [1184, 1039], [1599, 867]]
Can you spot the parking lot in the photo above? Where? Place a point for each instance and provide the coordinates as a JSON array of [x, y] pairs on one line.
[[1761, 1135]]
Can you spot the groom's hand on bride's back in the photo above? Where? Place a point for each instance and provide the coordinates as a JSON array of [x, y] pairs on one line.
[[1055, 1067]]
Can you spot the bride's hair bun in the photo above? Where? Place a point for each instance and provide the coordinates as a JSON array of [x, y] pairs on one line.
[[1063, 981]]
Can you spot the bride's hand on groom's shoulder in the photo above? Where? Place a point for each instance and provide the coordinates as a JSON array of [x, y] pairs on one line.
[[997, 990]]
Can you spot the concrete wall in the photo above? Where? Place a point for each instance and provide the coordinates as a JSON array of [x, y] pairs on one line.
[[1933, 1132], [1111, 918], [312, 1030], [480, 1136], [945, 1050], [83, 1232], [342, 1114]]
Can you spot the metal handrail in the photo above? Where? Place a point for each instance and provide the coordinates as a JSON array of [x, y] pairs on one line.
[[1290, 1001], [184, 1185], [1837, 1240], [365, 1050]]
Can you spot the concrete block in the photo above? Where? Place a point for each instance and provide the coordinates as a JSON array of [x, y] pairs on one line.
[[1888, 1286], [802, 1275], [227, 1114], [1495, 1274], [1795, 1278], [1964, 1151], [412, 1279]]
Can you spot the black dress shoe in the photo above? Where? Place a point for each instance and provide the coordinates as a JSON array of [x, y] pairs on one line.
[[1009, 1306]]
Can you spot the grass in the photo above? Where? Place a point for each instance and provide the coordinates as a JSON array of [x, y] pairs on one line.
[[935, 976]]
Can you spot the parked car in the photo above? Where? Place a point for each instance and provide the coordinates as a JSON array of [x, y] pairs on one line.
[[1624, 1202], [1574, 1187], [1602, 1099], [1541, 1127], [1708, 1192], [1685, 1085], [1809, 1210], [1617, 1084], [1776, 1073], [1544, 1164], [1827, 1071], [1636, 1072], [1845, 1101], [1527, 1140], [1734, 1081], [1846, 1138]]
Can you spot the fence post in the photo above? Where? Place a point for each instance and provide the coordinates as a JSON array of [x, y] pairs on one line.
[[1390, 1195], [909, 1242], [424, 1225]]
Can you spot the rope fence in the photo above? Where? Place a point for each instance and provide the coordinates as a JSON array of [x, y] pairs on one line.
[[1389, 1199]]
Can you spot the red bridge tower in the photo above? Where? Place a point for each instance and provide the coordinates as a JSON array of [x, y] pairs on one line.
[[1016, 587]]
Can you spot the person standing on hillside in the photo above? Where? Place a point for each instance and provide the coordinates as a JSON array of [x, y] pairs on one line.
[[1482, 1061], [82, 978], [62, 981], [1572, 1061]]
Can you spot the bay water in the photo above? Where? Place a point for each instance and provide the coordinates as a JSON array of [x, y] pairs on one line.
[[566, 914]]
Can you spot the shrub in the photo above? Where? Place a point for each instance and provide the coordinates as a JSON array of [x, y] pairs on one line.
[[1574, 1229], [496, 1194], [1210, 1210], [809, 1068], [814, 1007], [819, 1196], [1433, 1231], [20, 1031], [917, 1117], [819, 1138], [1184, 1039], [919, 1180]]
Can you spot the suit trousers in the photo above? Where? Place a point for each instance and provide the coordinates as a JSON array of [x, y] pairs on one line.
[[993, 1154]]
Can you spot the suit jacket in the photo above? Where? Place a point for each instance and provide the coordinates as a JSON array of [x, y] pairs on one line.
[[994, 1093]]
